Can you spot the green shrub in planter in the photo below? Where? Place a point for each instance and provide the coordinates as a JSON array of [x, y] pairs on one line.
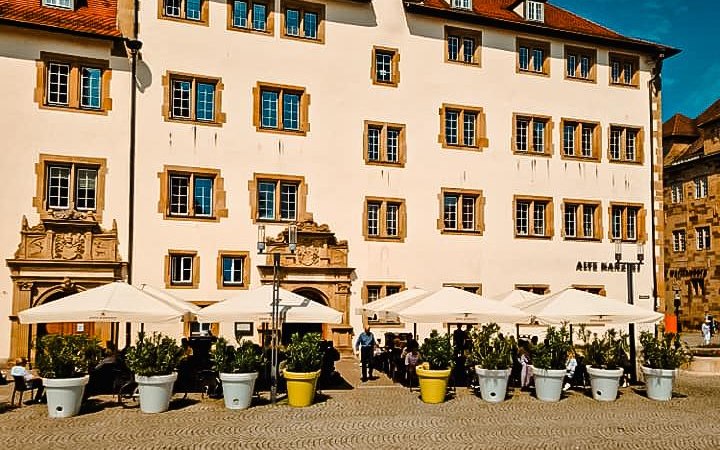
[[437, 351], [246, 358], [303, 353], [490, 350], [553, 352], [665, 351], [608, 352], [155, 355], [67, 356]]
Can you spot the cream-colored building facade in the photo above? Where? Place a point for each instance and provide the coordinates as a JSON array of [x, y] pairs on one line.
[[414, 143]]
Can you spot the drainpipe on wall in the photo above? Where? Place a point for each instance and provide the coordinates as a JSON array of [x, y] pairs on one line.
[[134, 45], [654, 85]]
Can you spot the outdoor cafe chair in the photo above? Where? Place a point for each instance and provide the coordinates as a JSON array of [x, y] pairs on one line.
[[20, 387]]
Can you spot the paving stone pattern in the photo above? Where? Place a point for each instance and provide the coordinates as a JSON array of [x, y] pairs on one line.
[[380, 415]]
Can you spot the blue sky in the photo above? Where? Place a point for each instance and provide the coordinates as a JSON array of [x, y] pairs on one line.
[[691, 79]]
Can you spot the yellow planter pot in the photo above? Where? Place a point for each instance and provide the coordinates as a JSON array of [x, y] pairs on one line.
[[301, 387], [433, 384]]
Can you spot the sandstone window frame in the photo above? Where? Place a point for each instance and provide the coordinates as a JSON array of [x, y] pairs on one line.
[[384, 128], [480, 139], [194, 281], [677, 193], [580, 206], [530, 46], [219, 117], [640, 219], [597, 289], [204, 19], [573, 51], [45, 161], [219, 208], [59, 4], [623, 59], [701, 187], [463, 34], [478, 212], [531, 119], [703, 238], [639, 141], [679, 241], [382, 287], [301, 213], [303, 7], [281, 90], [540, 289], [548, 215], [245, 283], [394, 54], [578, 126], [74, 84], [269, 17], [382, 219]]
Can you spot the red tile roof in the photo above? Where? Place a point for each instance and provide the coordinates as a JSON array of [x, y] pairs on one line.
[[680, 125], [709, 115], [556, 19], [94, 17]]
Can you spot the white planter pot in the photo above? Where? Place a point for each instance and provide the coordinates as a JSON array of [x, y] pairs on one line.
[[548, 383], [155, 392], [493, 384], [659, 383], [604, 383], [238, 389], [64, 395]]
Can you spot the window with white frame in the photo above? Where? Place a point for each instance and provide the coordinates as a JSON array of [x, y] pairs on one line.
[[62, 4], [625, 224], [384, 143], [181, 269], [191, 10], [71, 186], [233, 270], [375, 290], [385, 66], [463, 127], [624, 70], [384, 219], [580, 63], [533, 56], [702, 238], [191, 194], [193, 99], [252, 16], [461, 4], [679, 240], [74, 83], [581, 220], [281, 108], [676, 193], [580, 140], [625, 144], [533, 217], [535, 10], [532, 135], [277, 200], [462, 46], [701, 187], [303, 20], [462, 211]]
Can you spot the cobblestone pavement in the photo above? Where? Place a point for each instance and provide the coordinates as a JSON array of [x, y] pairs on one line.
[[377, 414]]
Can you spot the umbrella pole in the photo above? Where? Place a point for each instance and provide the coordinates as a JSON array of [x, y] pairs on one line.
[[517, 331], [415, 336], [29, 343]]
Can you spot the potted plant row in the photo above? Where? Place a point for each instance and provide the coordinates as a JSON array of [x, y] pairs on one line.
[[606, 357], [434, 373], [302, 368], [238, 369], [491, 353], [549, 361], [154, 360], [64, 362], [662, 356]]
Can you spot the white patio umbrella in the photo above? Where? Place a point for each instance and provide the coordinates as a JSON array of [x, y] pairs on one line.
[[516, 297], [112, 302], [188, 309], [453, 305], [395, 302], [256, 306], [580, 307]]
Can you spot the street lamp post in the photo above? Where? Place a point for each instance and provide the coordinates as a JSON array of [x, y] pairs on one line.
[[629, 267], [275, 314], [676, 304]]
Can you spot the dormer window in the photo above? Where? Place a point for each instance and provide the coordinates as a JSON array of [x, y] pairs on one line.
[[63, 4], [461, 4], [535, 10]]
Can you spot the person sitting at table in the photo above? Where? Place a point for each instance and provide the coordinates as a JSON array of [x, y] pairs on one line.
[[31, 381], [412, 359]]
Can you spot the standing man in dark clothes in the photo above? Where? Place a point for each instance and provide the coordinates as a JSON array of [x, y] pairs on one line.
[[366, 345]]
